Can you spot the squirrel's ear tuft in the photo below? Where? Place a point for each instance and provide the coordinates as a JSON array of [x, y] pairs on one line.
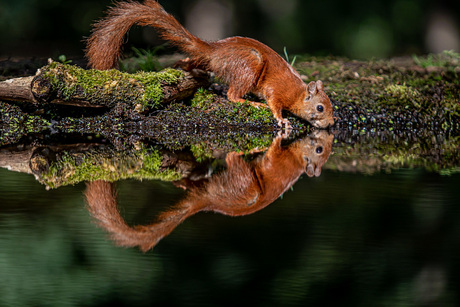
[[319, 85], [312, 88]]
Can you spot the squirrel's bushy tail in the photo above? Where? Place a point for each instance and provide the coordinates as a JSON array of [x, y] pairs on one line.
[[104, 44], [101, 202]]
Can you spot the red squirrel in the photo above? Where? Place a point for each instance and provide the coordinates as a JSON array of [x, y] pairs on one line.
[[245, 64], [242, 188]]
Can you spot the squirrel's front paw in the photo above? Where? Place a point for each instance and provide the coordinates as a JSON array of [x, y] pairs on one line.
[[285, 122], [283, 134]]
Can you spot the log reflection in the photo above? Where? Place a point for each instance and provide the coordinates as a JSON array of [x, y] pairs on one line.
[[244, 187]]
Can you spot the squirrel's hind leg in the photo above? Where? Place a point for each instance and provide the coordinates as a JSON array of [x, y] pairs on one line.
[[235, 96], [238, 88]]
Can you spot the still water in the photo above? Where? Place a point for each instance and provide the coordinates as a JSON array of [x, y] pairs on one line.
[[358, 232]]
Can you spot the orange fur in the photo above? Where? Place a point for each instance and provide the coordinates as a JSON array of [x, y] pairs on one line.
[[245, 64], [243, 188]]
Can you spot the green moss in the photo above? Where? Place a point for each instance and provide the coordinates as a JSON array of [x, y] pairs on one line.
[[14, 123], [390, 94], [246, 113], [235, 113], [447, 58], [152, 83], [72, 168], [202, 99], [151, 168], [402, 95], [108, 87]]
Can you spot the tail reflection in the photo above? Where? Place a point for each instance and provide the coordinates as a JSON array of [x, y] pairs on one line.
[[242, 188]]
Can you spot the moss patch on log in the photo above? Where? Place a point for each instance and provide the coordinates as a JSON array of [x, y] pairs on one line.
[[104, 88], [234, 113], [69, 168], [391, 94]]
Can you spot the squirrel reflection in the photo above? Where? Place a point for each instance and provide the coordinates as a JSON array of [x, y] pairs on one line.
[[242, 188]]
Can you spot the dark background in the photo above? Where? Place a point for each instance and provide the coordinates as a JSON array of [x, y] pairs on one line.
[[353, 28]]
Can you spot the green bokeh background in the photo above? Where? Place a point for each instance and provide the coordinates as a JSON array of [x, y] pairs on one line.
[[354, 28]]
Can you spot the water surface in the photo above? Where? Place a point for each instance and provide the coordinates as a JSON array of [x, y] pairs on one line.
[[374, 236]]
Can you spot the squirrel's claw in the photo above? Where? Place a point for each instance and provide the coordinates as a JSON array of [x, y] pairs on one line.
[[284, 133], [285, 121]]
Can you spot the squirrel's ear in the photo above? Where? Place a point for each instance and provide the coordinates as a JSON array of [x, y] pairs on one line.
[[319, 85], [312, 88]]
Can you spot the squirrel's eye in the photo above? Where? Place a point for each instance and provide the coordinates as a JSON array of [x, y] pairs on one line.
[[320, 108], [319, 149]]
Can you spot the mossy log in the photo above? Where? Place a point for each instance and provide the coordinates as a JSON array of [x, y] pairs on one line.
[[399, 95], [396, 94], [67, 84], [60, 165]]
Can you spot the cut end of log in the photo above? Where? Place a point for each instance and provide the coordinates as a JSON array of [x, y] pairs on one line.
[[41, 88]]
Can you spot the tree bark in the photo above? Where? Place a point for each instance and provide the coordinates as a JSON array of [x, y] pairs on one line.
[[18, 89]]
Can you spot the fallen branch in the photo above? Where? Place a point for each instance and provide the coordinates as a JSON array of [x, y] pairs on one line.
[[68, 164], [71, 85], [18, 89]]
